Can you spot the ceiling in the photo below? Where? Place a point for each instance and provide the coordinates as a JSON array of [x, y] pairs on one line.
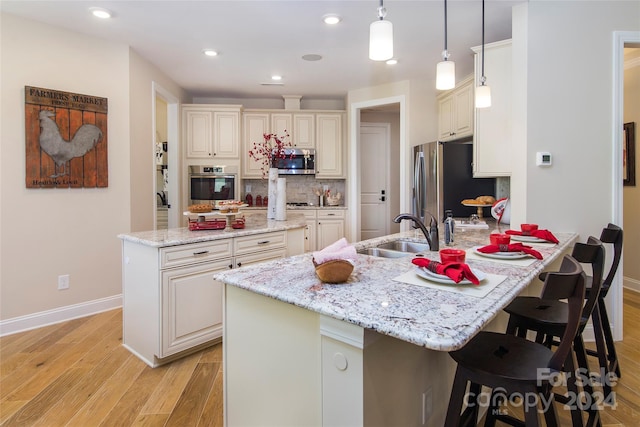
[[256, 39]]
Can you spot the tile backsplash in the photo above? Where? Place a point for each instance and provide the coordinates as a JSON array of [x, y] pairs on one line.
[[300, 189]]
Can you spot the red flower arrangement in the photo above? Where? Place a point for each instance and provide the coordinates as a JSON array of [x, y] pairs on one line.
[[273, 147]]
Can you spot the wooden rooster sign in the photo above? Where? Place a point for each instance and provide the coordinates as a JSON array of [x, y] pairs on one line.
[[66, 139]]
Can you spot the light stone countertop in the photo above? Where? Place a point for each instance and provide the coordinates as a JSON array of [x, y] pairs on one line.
[[256, 223], [438, 320]]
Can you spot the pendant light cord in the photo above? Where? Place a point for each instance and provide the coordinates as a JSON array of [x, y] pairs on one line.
[[381, 11], [445, 27], [483, 78]]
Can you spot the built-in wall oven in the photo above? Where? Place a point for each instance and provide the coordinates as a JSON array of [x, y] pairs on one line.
[[209, 184]]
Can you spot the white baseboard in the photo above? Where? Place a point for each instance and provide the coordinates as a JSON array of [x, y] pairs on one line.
[[631, 284], [57, 315]]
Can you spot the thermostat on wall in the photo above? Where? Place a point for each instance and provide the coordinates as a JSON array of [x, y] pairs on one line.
[[543, 158]]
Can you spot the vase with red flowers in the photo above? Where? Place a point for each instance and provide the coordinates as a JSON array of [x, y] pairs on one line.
[[267, 152]]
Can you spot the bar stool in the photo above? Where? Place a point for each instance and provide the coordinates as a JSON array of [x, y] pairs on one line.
[[547, 316], [517, 365], [605, 346]]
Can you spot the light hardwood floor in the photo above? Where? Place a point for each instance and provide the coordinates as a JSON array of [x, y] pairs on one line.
[[77, 374]]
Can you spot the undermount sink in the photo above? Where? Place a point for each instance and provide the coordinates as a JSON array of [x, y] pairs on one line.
[[383, 253], [395, 249], [404, 246]]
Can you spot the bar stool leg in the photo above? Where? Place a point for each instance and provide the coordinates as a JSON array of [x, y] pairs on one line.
[[601, 352], [457, 399], [614, 365], [591, 402]]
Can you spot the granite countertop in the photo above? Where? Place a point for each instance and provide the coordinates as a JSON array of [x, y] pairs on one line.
[[436, 319], [300, 208], [256, 223]]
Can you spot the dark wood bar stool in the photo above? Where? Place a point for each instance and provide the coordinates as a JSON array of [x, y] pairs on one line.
[[512, 364], [547, 317], [605, 346]]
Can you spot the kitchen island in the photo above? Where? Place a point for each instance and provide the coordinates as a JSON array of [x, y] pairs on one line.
[[371, 351], [171, 305]]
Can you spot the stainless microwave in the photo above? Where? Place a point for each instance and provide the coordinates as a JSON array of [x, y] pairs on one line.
[[297, 161], [208, 184]]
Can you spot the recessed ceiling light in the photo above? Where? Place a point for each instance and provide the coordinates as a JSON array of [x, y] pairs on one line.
[[331, 19], [276, 77], [392, 61], [99, 12], [210, 52], [311, 57]]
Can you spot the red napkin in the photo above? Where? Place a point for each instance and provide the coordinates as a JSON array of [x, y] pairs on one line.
[[456, 271], [513, 247], [540, 234]]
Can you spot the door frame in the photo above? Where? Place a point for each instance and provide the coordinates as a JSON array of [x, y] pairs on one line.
[[620, 38], [353, 185], [173, 160], [387, 178]]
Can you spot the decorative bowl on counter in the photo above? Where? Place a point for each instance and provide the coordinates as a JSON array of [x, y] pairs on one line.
[[335, 271]]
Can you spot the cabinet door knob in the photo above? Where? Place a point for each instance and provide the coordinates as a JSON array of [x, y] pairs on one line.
[[239, 264], [230, 265]]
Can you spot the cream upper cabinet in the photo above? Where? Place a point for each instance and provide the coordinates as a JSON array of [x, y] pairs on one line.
[[455, 111], [211, 131], [254, 126], [329, 148], [300, 128], [492, 138], [304, 131], [281, 124]]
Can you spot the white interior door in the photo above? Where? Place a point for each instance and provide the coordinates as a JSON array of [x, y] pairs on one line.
[[374, 179]]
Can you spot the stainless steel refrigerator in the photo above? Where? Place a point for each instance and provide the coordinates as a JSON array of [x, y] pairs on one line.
[[443, 177]]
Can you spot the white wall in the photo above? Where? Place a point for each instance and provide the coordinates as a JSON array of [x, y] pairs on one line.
[[569, 103], [50, 232]]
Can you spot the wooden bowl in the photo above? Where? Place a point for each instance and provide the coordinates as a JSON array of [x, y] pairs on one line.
[[335, 271]]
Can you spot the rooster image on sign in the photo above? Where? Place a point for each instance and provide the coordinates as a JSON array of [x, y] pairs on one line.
[[61, 150]]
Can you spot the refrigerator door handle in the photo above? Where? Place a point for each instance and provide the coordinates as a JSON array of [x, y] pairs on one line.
[[418, 177]]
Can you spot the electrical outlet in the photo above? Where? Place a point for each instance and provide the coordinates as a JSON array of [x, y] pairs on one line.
[[325, 187], [63, 282], [247, 188]]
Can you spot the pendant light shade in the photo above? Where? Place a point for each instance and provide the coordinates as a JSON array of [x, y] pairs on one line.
[[445, 75], [483, 92], [483, 96], [381, 37], [445, 70]]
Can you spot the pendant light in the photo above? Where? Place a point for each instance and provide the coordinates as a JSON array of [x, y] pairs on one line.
[[483, 92], [381, 37], [445, 70]]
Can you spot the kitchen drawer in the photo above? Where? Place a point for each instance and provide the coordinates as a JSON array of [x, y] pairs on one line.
[[331, 213], [260, 242], [176, 256]]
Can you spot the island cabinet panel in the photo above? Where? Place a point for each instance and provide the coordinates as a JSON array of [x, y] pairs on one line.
[[172, 306], [191, 307], [271, 362]]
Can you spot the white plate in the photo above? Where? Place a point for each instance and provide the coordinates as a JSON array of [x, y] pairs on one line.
[[500, 255], [427, 274], [530, 239]]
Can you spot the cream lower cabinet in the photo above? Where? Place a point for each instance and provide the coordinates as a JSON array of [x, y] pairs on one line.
[[330, 227], [171, 304], [191, 307], [324, 226]]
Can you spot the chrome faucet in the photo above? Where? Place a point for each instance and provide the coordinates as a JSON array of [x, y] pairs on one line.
[[431, 235]]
